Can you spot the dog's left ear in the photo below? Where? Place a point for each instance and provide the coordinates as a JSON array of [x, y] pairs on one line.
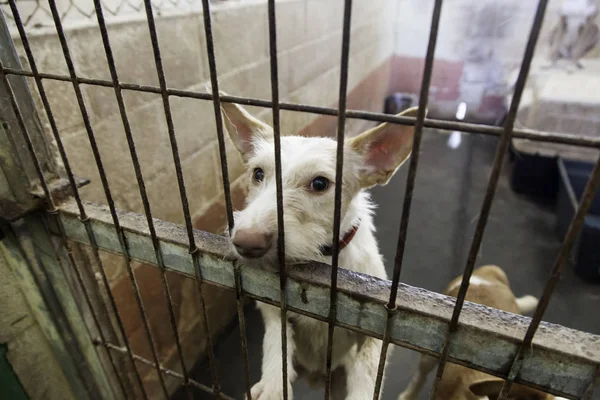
[[384, 149], [243, 128]]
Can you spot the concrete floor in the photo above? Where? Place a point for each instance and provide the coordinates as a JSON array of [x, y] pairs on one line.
[[449, 190]]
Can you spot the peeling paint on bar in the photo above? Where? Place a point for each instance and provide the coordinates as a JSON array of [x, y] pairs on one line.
[[562, 361]]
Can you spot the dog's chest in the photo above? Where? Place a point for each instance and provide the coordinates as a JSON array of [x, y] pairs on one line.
[[310, 338]]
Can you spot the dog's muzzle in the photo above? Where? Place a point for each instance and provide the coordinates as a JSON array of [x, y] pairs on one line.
[[251, 243]]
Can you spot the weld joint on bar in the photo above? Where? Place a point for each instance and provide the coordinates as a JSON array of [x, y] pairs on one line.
[[515, 369], [391, 310]]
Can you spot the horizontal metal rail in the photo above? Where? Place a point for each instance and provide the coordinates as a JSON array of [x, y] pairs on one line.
[[561, 361], [531, 134]]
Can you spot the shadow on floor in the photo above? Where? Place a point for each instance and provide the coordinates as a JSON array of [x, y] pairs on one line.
[[449, 191]]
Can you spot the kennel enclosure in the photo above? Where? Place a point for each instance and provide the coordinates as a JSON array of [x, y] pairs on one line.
[[44, 216]]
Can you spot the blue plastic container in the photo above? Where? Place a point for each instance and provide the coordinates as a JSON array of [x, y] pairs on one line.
[[534, 175], [398, 102]]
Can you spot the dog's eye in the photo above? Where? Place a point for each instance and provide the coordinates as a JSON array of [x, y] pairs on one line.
[[319, 184], [258, 175]]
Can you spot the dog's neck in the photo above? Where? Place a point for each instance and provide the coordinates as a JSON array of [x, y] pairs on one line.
[[360, 207], [362, 253]]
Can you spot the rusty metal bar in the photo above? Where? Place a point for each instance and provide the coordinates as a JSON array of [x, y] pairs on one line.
[[164, 370], [193, 248], [337, 213], [530, 134], [408, 193], [25, 133], [84, 218], [278, 180], [127, 128], [419, 324], [563, 254], [486, 206], [180, 182], [53, 211], [212, 65]]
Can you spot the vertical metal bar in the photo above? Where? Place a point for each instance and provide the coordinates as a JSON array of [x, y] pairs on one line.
[[338, 188], [214, 82], [278, 180], [50, 201], [147, 209], [53, 210], [63, 155], [107, 192], [80, 282], [25, 133], [491, 188], [19, 171], [575, 228], [408, 193], [110, 201], [193, 248]]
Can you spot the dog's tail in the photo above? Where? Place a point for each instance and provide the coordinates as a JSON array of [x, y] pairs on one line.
[[527, 304]]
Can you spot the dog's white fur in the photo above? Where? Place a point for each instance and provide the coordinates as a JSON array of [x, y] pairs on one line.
[[489, 286], [369, 159]]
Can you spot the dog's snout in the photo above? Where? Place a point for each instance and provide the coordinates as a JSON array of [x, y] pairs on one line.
[[252, 243]]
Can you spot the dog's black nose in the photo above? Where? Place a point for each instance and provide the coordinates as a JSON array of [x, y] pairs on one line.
[[251, 243]]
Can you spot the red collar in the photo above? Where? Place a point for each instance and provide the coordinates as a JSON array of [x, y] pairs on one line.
[[328, 250]]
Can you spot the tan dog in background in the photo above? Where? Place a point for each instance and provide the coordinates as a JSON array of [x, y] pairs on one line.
[[488, 286]]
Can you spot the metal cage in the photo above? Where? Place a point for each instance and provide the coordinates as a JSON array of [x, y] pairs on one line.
[[388, 310]]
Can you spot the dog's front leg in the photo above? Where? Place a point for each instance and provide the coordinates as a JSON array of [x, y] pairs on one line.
[[270, 386], [361, 370]]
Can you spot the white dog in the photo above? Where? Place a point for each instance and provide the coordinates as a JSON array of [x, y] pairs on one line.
[[308, 175]]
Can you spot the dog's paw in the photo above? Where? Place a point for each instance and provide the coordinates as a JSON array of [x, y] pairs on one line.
[[269, 390]]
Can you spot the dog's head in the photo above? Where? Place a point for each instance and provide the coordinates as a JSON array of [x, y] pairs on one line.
[[308, 168]]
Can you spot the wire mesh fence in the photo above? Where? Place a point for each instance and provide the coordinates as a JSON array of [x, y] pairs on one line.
[[38, 14], [197, 261]]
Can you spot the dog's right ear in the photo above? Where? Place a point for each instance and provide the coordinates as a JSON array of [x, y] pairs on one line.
[[243, 128]]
